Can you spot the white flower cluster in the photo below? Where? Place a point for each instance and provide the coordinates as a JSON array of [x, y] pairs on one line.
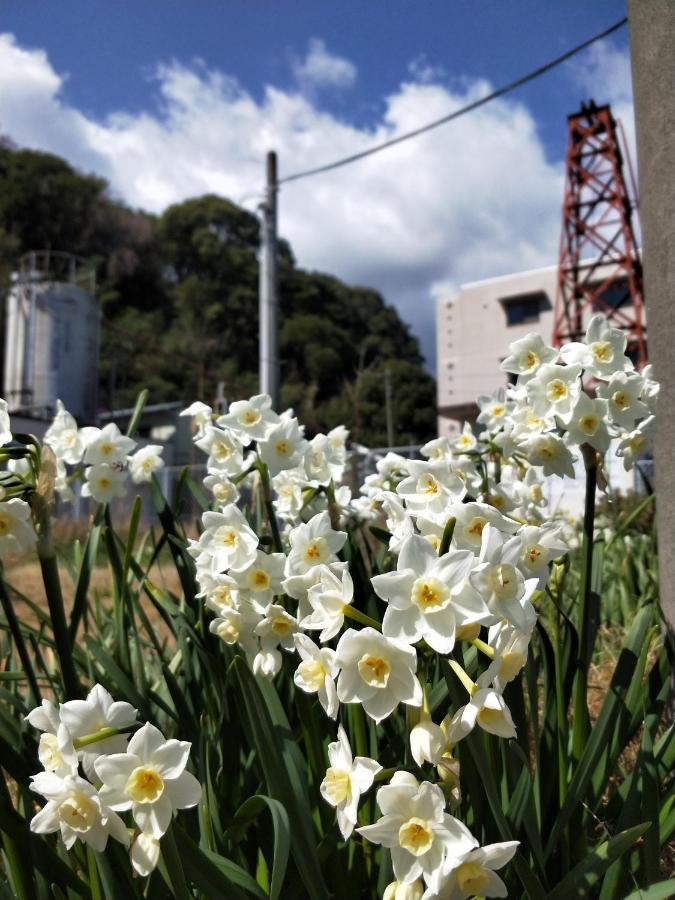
[[93, 772], [17, 534], [473, 549], [107, 456]]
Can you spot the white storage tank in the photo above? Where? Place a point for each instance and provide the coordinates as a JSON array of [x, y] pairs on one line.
[[51, 337]]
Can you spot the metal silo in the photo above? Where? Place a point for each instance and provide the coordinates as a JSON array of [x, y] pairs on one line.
[[51, 337]]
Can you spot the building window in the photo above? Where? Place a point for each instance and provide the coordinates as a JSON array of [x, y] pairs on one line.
[[615, 295], [522, 309]]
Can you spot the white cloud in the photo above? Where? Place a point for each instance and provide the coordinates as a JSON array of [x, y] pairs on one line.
[[321, 68], [473, 200]]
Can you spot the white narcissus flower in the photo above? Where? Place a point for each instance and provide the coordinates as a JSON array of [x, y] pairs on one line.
[[313, 544], [418, 831], [105, 482], [145, 462], [587, 423], [201, 415], [237, 627], [549, 452], [498, 579], [224, 491], [97, 711], [317, 672], [288, 488], [511, 648], [56, 752], [493, 410], [438, 448], [635, 443], [473, 873], [277, 628], [250, 420], [527, 355], [471, 519], [539, 546], [16, 528], [650, 390], [284, 447], [486, 708], [107, 445], [224, 450], [76, 810], [149, 779], [622, 393], [377, 672], [5, 425], [466, 441], [430, 487], [229, 539], [346, 779], [427, 742], [64, 437], [422, 595], [602, 353], [144, 854], [328, 599], [262, 578], [554, 389]]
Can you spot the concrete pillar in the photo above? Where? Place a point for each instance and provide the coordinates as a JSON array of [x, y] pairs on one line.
[[652, 39]]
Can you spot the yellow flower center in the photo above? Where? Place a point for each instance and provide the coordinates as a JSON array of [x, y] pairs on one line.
[[106, 449], [316, 551], [220, 450], [497, 410], [222, 492], [337, 785], [313, 673], [5, 526], [228, 632], [589, 424], [223, 595], [259, 580], [476, 526], [250, 417], [281, 625], [104, 483], [374, 670], [620, 400], [49, 753], [602, 351], [78, 812], [471, 879], [430, 485], [528, 361], [227, 536], [416, 836], [145, 785], [532, 554], [504, 581], [556, 390], [430, 594], [487, 715], [282, 448]]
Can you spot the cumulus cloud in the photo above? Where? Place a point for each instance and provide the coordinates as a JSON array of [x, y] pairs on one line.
[[473, 200], [321, 68]]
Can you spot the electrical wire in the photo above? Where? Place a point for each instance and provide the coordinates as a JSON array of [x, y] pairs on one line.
[[505, 89]]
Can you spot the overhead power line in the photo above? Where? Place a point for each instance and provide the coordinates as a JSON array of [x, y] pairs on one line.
[[459, 112]]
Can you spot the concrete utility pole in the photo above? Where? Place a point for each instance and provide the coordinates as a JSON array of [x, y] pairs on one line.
[[388, 410], [268, 346], [652, 40]]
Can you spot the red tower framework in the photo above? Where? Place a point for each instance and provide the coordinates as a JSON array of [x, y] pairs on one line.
[[599, 268]]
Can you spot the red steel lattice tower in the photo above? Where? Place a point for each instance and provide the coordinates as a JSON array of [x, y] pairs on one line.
[[599, 268]]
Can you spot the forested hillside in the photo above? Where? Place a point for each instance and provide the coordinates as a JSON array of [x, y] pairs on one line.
[[179, 300]]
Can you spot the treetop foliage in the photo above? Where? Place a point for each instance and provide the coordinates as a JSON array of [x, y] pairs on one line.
[[179, 298]]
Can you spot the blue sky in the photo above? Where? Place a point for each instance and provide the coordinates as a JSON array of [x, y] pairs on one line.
[[169, 99]]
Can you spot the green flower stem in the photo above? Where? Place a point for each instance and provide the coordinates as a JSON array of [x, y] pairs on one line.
[[483, 647], [350, 613], [50, 577], [463, 677], [269, 506], [20, 644], [581, 724], [95, 737], [448, 531]]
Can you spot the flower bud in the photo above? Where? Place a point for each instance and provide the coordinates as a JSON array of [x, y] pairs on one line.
[[468, 632], [427, 743], [448, 772], [398, 890]]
